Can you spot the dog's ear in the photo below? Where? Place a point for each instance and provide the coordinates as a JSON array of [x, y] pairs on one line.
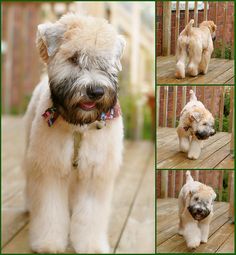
[[120, 46], [48, 39], [213, 194], [195, 116]]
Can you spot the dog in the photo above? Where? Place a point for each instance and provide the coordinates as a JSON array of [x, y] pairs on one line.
[[74, 135], [197, 45], [195, 211], [196, 124]]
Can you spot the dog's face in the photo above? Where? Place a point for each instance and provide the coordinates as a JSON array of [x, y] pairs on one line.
[[211, 25], [201, 123], [201, 202], [83, 60]]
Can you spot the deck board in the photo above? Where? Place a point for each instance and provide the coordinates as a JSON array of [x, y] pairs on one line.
[[215, 154], [133, 192], [168, 240], [221, 71]]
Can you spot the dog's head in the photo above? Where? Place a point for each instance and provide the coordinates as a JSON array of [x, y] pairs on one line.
[[201, 123], [83, 60], [212, 27], [201, 202]]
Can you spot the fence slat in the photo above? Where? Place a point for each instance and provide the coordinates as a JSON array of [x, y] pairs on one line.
[[183, 96], [221, 110], [177, 18], [203, 95], [220, 184], [165, 101], [231, 108], [164, 183], [179, 182], [186, 15], [224, 30], [205, 10], [213, 101], [158, 105], [195, 14], [174, 106], [231, 202], [167, 28]]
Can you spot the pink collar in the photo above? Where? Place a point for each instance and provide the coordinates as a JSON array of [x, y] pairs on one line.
[[51, 114]]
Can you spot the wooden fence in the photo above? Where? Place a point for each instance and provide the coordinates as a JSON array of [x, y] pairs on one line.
[[167, 14], [216, 94], [170, 182]]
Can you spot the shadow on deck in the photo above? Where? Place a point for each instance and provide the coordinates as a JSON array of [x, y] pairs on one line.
[[221, 71], [221, 237], [132, 218], [215, 154]]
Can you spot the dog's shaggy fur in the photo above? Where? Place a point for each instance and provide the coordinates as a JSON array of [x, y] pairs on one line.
[[195, 125], [197, 45], [82, 56], [195, 211]]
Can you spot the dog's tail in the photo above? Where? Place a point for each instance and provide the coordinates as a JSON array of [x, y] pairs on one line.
[[192, 95], [189, 26], [189, 177]]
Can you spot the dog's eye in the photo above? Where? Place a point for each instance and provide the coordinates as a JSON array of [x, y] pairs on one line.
[[74, 60], [205, 124], [196, 198]]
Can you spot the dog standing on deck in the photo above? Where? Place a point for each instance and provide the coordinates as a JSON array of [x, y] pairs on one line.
[[78, 98], [196, 44], [196, 124], [195, 211]]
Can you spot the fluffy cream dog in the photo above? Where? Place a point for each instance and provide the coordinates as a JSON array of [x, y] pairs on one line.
[[197, 44], [77, 98], [195, 211], [195, 125]]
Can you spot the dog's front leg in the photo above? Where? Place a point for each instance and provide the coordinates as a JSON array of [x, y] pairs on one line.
[[192, 235], [184, 142], [49, 212], [90, 215], [195, 148], [204, 228]]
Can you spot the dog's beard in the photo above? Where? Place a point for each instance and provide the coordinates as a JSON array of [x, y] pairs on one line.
[[198, 216], [69, 101]]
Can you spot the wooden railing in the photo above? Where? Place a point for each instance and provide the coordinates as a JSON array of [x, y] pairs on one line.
[[170, 182], [167, 13]]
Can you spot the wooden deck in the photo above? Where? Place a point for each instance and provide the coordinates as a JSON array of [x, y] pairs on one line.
[[221, 71], [215, 154], [132, 226], [221, 237]]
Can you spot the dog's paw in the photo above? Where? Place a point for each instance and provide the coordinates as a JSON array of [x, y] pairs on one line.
[[193, 155], [181, 231], [93, 248], [193, 244], [204, 240], [48, 247]]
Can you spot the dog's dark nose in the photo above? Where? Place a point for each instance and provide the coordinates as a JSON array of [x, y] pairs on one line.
[[95, 93], [199, 210], [201, 135]]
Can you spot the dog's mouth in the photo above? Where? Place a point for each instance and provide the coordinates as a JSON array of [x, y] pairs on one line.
[[198, 215], [87, 106]]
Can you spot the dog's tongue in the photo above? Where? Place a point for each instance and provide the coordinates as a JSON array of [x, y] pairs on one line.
[[87, 105]]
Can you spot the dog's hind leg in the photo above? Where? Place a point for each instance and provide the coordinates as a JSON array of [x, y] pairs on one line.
[[195, 55], [181, 56], [204, 64]]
